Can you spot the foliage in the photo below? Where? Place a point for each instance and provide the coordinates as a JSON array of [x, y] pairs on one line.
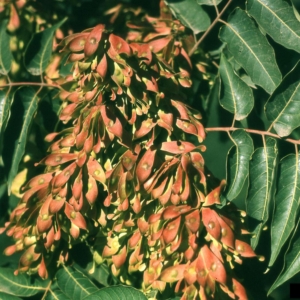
[[111, 129]]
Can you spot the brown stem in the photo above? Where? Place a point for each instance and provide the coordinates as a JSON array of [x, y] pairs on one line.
[[47, 289], [216, 7], [260, 132], [209, 29], [41, 84]]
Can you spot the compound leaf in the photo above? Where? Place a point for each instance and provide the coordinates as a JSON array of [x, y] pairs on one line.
[[117, 293], [56, 294], [237, 95], [283, 107], [209, 2], [251, 50], [277, 18], [39, 49], [4, 296], [101, 274], [5, 104], [291, 265], [286, 203], [238, 163], [74, 284], [29, 101], [5, 53], [261, 188], [190, 14], [6, 99], [21, 285]]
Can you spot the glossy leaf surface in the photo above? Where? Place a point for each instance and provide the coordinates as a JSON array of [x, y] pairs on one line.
[[291, 264], [237, 95], [8, 297], [125, 190], [56, 294], [262, 181], [190, 14], [5, 53], [283, 107], [251, 50], [286, 203], [6, 100], [117, 293], [29, 100], [209, 2], [74, 284], [39, 50], [238, 163], [21, 285], [5, 104], [277, 18]]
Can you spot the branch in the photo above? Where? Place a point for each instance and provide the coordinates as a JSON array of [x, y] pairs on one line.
[[40, 84], [260, 132], [209, 29]]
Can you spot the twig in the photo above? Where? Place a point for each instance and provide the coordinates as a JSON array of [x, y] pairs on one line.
[[216, 7], [41, 84], [215, 64], [48, 288], [260, 132], [209, 29]]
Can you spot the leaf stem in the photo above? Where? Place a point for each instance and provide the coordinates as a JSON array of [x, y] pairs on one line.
[[47, 289], [41, 84], [209, 29], [260, 132], [270, 127], [216, 7]]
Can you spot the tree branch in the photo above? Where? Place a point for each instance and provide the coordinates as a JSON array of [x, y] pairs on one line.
[[41, 84], [209, 28], [260, 132]]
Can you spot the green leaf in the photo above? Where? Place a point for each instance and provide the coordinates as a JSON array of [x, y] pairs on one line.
[[56, 294], [283, 107], [29, 100], [5, 104], [209, 2], [100, 273], [251, 50], [248, 80], [5, 53], [74, 284], [231, 59], [277, 18], [286, 203], [21, 285], [117, 293], [6, 99], [297, 15], [4, 296], [291, 265], [190, 14], [39, 49], [238, 163], [237, 95], [261, 189]]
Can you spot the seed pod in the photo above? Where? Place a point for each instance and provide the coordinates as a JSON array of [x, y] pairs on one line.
[[93, 40]]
